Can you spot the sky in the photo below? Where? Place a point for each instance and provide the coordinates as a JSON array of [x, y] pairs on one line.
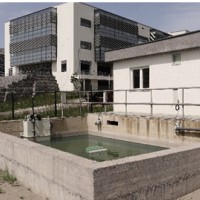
[[167, 17]]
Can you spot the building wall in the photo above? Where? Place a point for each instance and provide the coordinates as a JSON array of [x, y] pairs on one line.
[[65, 48], [70, 33], [1, 61], [163, 74], [7, 48]]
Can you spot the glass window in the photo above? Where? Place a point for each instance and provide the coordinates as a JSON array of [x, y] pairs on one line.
[[63, 66], [86, 45], [136, 78], [141, 78], [85, 22], [145, 74]]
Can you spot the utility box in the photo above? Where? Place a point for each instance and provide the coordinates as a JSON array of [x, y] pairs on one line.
[[42, 129]]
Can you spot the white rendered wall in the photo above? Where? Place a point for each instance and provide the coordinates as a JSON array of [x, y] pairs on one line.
[[65, 47], [162, 75], [70, 33], [7, 48]]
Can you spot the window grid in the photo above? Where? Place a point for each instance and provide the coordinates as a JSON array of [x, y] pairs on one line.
[[34, 37]]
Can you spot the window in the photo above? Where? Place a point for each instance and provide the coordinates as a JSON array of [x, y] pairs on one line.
[[176, 59], [63, 66], [86, 23], [140, 78], [136, 78], [86, 45], [145, 74]]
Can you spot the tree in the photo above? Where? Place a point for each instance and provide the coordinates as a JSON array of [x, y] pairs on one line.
[[76, 81]]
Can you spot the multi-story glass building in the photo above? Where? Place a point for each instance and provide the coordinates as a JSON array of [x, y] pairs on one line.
[[69, 38], [1, 62]]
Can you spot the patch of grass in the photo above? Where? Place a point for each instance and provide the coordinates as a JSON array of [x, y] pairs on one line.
[[5, 176], [1, 191]]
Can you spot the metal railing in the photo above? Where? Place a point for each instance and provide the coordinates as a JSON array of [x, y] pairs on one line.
[[88, 99]]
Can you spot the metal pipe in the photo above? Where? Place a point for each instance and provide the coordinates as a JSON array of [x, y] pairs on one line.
[[187, 129], [13, 105]]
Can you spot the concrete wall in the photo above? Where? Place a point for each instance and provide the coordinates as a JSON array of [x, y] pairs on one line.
[[165, 175], [162, 175], [163, 74], [12, 127], [57, 175], [46, 171], [69, 126], [157, 131]]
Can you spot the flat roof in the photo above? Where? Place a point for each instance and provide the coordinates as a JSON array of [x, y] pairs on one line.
[[176, 43]]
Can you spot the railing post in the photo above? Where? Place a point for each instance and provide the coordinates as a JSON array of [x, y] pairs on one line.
[[88, 100], [183, 102], [80, 105], [125, 102], [55, 103], [105, 100], [13, 106], [151, 93]]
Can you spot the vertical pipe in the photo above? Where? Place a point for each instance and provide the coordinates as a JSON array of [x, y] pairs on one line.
[[183, 102], [33, 118], [125, 102], [151, 93], [55, 103], [88, 99], [13, 106], [104, 100], [80, 105]]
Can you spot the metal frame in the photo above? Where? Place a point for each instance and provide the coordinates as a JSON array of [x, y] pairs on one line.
[[151, 103]]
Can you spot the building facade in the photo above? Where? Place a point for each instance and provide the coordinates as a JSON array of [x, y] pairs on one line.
[[153, 74], [1, 62], [71, 38]]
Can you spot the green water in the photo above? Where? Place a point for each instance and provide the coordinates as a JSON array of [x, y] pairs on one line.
[[115, 148]]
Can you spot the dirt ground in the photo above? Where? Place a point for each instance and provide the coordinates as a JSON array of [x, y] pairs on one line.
[[17, 192], [192, 196], [11, 189]]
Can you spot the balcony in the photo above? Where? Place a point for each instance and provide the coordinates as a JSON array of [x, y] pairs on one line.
[[85, 74]]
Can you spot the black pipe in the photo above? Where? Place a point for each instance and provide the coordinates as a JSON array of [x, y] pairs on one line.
[[55, 103], [187, 129], [33, 118], [13, 106]]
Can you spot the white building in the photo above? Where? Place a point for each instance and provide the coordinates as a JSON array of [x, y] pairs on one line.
[[169, 66], [69, 38]]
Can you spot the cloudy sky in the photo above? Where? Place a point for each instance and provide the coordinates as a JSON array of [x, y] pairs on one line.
[[163, 16]]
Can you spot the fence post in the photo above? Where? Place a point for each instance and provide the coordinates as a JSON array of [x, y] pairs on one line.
[[88, 99], [13, 106], [80, 105], [55, 103], [183, 101]]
